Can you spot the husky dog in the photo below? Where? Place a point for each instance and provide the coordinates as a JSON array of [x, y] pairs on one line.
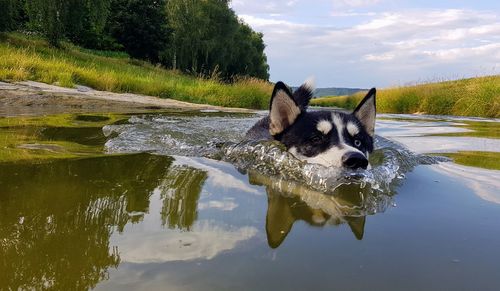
[[329, 138]]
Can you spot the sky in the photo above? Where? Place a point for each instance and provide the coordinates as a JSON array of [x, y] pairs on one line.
[[376, 43]]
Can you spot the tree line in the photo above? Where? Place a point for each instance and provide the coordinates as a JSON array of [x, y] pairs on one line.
[[202, 37]]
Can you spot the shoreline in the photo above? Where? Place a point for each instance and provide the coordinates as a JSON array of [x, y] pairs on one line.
[[31, 98]]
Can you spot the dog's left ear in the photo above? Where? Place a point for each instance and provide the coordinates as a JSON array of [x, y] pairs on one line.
[[283, 109], [366, 111], [279, 218]]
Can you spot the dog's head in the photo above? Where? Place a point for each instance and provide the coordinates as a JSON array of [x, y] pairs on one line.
[[329, 138]]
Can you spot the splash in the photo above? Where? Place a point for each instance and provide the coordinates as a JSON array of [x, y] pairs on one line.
[[181, 134], [217, 137], [389, 162]]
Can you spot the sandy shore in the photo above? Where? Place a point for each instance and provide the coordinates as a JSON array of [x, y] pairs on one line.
[[34, 98]]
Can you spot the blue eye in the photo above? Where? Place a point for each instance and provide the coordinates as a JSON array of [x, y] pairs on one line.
[[357, 143]]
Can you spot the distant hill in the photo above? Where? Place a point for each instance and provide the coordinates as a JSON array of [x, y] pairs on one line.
[[322, 92]]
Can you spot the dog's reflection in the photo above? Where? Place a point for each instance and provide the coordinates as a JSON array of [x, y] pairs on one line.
[[289, 202]]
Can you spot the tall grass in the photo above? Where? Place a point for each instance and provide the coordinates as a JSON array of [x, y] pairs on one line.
[[467, 97], [30, 58]]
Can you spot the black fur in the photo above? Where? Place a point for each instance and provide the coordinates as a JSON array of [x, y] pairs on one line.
[[302, 96]]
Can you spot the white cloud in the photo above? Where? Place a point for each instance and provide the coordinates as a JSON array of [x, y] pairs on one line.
[[351, 14], [379, 57], [271, 22], [263, 7], [492, 50], [355, 3], [399, 46]]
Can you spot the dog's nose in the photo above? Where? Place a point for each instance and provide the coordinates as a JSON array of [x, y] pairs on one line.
[[354, 160]]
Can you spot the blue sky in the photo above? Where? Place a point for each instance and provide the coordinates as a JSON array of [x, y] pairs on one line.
[[381, 43]]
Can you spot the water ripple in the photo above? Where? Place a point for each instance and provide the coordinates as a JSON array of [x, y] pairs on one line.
[[218, 137]]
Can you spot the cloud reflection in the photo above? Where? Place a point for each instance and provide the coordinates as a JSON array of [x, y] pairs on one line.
[[206, 240], [485, 183], [226, 204], [216, 176]]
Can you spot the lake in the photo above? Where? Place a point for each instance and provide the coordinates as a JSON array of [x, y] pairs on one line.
[[158, 202]]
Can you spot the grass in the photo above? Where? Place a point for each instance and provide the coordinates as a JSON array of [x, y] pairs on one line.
[[485, 160], [477, 129], [467, 97], [31, 58]]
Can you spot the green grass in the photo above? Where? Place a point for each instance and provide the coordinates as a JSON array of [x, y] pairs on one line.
[[485, 160], [467, 97], [478, 129], [30, 58]]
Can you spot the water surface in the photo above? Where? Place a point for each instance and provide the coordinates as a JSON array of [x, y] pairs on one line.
[[173, 201]]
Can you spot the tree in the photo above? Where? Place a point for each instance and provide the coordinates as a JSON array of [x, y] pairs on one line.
[[207, 38], [248, 57], [186, 23], [140, 26], [201, 37], [7, 14], [48, 16], [85, 23]]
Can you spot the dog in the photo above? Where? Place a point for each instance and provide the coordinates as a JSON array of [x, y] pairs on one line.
[[330, 138]]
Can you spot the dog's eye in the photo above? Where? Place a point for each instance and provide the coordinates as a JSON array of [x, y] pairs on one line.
[[315, 139], [357, 143]]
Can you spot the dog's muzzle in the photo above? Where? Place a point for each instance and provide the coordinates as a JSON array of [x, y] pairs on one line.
[[354, 160]]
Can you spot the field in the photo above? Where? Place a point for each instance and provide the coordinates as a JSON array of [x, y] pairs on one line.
[[31, 58], [467, 97]]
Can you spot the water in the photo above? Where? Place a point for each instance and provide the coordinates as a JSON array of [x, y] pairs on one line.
[[175, 201]]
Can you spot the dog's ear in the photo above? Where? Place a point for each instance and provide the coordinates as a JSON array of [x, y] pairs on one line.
[[366, 111], [357, 225], [283, 109], [304, 94], [279, 218]]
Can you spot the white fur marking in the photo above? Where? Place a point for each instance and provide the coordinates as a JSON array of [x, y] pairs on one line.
[[324, 126], [352, 128], [310, 83], [339, 124]]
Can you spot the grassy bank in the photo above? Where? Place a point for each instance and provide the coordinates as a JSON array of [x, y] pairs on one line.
[[29, 58], [467, 97], [485, 160]]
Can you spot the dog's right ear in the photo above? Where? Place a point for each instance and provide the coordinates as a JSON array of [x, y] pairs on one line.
[[283, 109], [357, 225], [366, 111]]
